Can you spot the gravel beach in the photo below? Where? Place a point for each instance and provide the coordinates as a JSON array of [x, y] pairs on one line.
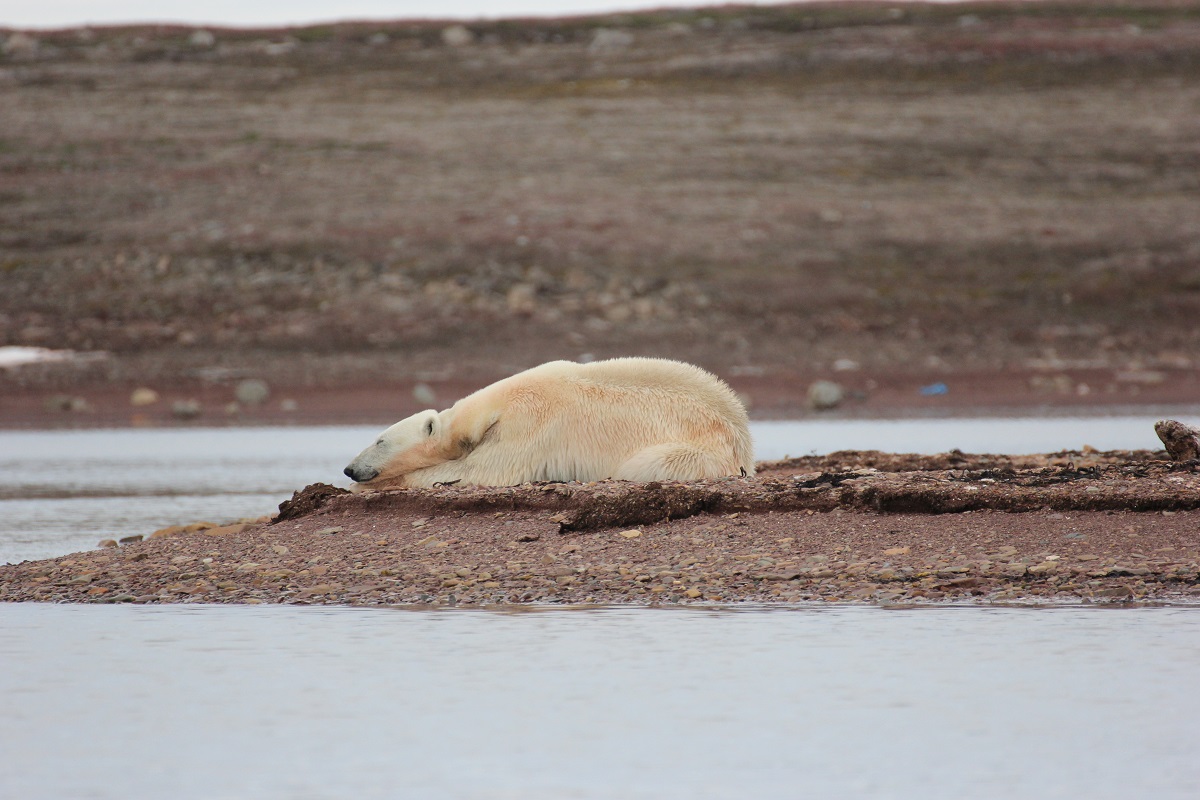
[[849, 527]]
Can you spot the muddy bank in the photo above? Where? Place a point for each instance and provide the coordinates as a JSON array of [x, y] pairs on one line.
[[862, 526]]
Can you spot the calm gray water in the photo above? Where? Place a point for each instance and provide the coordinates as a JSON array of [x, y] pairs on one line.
[[63, 491], [283, 702]]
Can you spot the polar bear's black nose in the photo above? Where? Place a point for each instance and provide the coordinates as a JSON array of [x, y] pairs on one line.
[[359, 475]]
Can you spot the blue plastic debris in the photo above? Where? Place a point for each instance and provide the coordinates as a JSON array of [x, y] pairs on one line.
[[934, 389]]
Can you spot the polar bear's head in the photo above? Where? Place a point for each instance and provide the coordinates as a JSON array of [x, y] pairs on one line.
[[411, 444]]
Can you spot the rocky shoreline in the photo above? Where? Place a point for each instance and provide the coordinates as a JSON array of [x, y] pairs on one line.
[[869, 527]]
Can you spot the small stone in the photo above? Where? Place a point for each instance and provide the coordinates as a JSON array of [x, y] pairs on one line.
[[825, 395], [67, 403], [528, 537], [324, 531], [692, 593], [226, 530], [424, 395], [131, 539], [610, 39], [186, 409], [174, 530], [252, 392], [107, 543], [632, 533], [896, 551], [457, 36], [1181, 441], [122, 598], [280, 550], [522, 299], [202, 38], [143, 396], [420, 523], [19, 45]]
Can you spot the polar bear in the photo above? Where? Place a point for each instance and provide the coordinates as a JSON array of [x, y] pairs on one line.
[[635, 419]]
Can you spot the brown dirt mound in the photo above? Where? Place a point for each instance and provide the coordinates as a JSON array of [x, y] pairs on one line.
[[307, 501], [1114, 482]]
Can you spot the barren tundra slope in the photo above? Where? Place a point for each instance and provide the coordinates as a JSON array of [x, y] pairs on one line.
[[925, 191]]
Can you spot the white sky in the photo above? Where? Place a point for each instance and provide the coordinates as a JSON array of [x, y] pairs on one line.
[[240, 13]]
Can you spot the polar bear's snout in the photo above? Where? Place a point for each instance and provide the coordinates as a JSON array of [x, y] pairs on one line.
[[360, 474]]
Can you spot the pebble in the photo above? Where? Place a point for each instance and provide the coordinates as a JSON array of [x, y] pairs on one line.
[[226, 530], [825, 395], [324, 531], [632, 533], [425, 395], [107, 543], [143, 396], [252, 392], [131, 539], [457, 36], [186, 409]]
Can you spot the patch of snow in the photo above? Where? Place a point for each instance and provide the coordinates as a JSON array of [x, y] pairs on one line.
[[13, 356]]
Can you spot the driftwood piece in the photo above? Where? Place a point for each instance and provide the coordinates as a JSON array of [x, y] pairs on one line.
[[1182, 441]]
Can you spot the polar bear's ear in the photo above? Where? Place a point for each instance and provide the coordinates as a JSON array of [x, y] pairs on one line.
[[432, 425]]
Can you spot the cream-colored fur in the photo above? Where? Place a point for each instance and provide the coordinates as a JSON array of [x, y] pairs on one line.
[[634, 419]]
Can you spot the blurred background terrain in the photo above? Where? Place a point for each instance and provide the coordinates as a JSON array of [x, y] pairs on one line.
[[998, 204]]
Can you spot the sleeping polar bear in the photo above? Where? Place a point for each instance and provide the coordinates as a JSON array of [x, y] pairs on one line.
[[635, 419]]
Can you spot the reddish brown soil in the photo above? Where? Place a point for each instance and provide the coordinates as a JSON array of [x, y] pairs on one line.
[[779, 395], [1000, 196], [1065, 527]]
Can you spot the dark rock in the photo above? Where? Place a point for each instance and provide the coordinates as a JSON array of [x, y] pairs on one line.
[[1181, 441], [307, 500]]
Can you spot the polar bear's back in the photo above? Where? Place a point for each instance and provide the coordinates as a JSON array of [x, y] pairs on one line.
[[564, 420]]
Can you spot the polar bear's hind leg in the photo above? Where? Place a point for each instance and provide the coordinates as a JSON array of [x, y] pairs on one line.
[[680, 461]]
